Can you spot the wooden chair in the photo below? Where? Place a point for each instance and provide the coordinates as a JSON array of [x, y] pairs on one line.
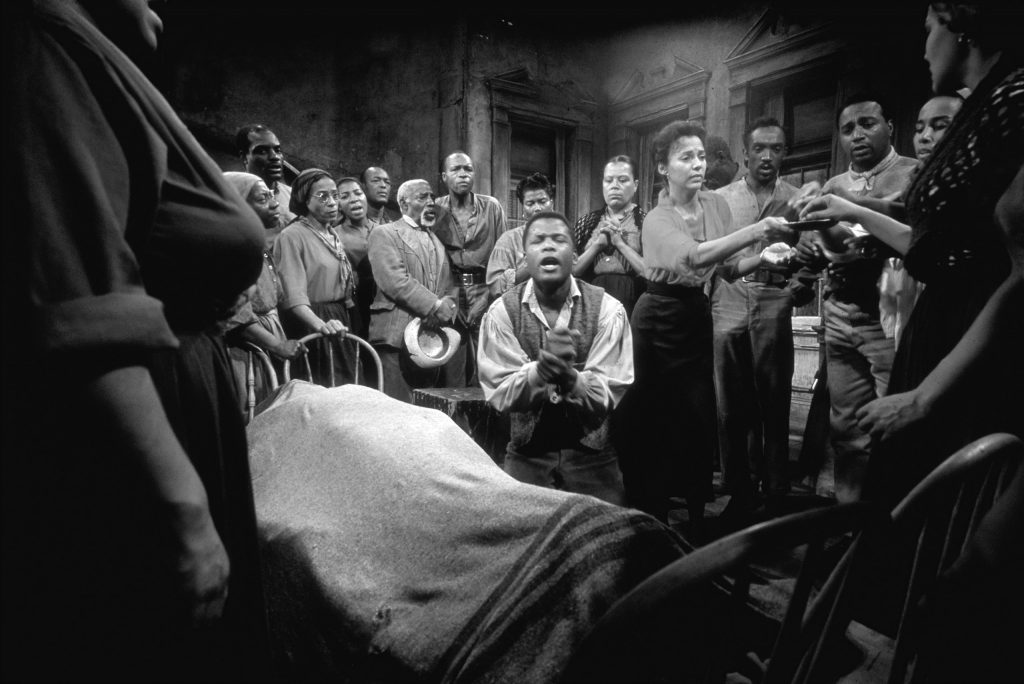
[[360, 343], [253, 353], [937, 519], [681, 624]]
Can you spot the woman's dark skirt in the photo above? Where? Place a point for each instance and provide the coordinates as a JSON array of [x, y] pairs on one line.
[[624, 287], [664, 429]]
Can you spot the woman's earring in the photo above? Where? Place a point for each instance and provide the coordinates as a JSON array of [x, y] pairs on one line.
[[962, 39]]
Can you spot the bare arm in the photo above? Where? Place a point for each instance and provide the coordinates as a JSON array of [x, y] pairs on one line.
[[262, 338], [885, 228], [714, 251], [316, 324], [127, 404]]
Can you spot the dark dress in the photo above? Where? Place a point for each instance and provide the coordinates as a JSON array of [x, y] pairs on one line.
[[957, 250], [129, 246]]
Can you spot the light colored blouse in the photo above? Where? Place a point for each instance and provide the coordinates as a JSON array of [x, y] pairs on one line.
[[670, 242], [313, 267]]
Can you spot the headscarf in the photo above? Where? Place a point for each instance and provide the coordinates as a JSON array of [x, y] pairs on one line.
[[242, 182], [302, 190]]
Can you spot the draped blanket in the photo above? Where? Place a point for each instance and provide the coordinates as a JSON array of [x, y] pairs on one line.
[[394, 548]]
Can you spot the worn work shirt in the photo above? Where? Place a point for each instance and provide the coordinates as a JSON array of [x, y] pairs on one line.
[[470, 246], [506, 257], [510, 380], [310, 269], [743, 207], [856, 280], [734, 304]]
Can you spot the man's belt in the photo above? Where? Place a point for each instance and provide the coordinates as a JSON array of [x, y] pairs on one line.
[[763, 275], [466, 277]]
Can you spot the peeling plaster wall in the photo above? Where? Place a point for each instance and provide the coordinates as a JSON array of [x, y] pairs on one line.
[[341, 103], [704, 41], [551, 56], [401, 90]]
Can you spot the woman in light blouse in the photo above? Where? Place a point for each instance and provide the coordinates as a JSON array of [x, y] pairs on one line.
[[317, 277], [665, 428]]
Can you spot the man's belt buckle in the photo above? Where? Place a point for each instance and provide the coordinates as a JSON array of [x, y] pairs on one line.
[[765, 277], [469, 278]]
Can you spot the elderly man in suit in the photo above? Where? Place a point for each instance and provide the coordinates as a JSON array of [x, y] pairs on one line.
[[413, 280]]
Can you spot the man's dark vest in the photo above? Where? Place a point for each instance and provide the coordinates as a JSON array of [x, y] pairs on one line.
[[560, 424]]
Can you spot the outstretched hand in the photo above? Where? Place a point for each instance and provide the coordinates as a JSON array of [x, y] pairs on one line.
[[808, 253], [829, 207], [869, 247], [776, 230], [807, 192]]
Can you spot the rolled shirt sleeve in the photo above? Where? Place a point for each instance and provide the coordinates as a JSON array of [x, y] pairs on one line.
[[75, 268]]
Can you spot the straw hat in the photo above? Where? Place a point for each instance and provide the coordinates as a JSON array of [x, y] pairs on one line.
[[430, 347]]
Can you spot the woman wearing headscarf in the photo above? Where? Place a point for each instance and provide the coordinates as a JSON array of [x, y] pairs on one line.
[[971, 298], [258, 321], [608, 239], [665, 428], [317, 278], [129, 535]]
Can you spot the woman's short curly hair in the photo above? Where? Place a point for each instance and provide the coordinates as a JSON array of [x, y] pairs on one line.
[[672, 132]]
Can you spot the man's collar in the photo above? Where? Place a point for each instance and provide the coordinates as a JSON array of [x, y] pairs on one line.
[[770, 187], [888, 160], [470, 195], [530, 296], [411, 222]]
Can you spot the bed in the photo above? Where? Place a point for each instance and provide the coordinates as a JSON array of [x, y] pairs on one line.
[[394, 548]]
